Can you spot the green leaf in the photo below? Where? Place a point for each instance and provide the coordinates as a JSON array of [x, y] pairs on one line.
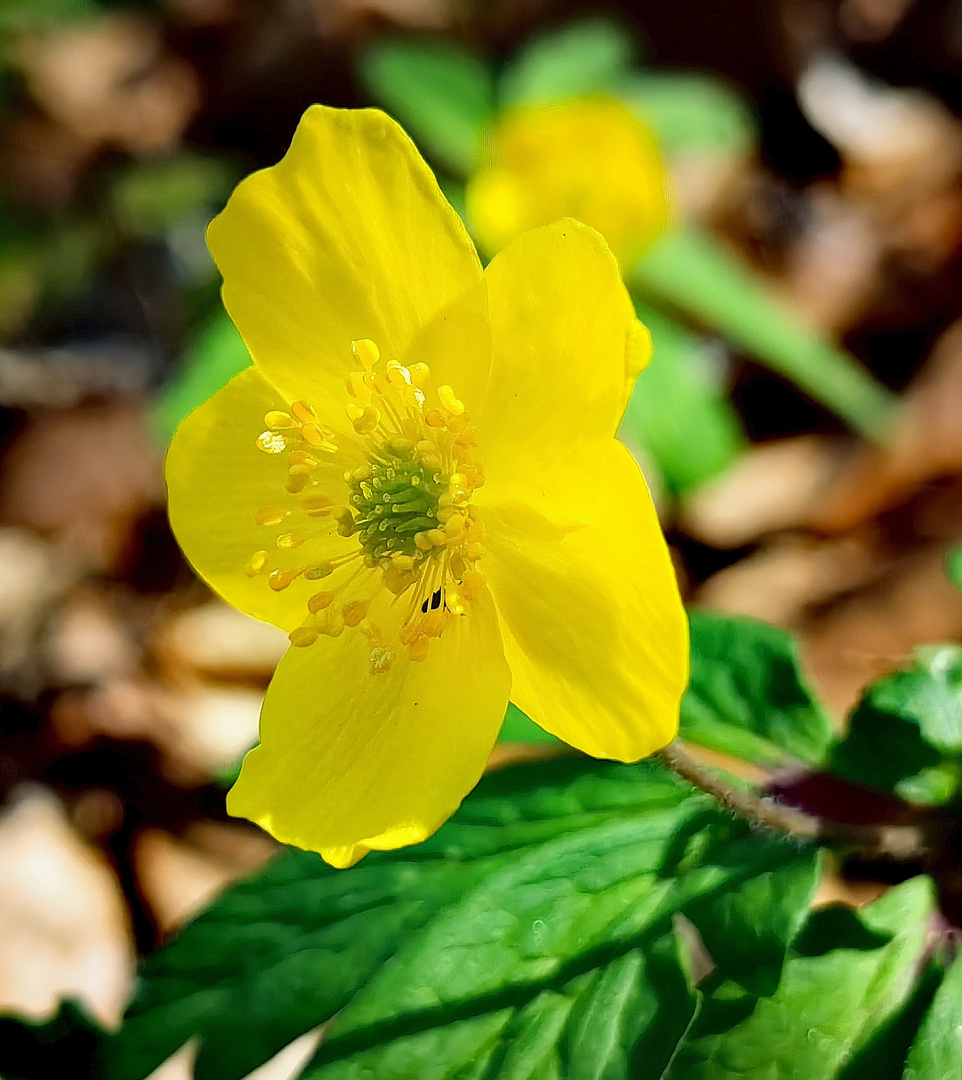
[[747, 696], [848, 974], [936, 1053], [905, 734], [691, 271], [953, 566], [549, 893], [678, 409], [215, 358], [65, 1045], [580, 58], [622, 1019], [442, 94], [690, 112], [518, 728]]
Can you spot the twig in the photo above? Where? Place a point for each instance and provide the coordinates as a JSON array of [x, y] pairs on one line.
[[903, 843]]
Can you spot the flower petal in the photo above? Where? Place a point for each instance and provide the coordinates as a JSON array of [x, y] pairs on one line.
[[592, 622], [347, 237], [565, 345], [217, 480], [351, 762]]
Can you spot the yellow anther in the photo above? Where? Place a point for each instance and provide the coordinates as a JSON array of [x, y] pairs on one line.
[[423, 541], [473, 530], [396, 580], [380, 660], [303, 636], [465, 440], [302, 457], [367, 421], [277, 420], [472, 584], [456, 565], [319, 601], [409, 631], [313, 436], [458, 422], [317, 505], [398, 376], [280, 579], [270, 515], [437, 537], [322, 570], [445, 513], [420, 373], [454, 602], [303, 411], [297, 482], [454, 526], [450, 400], [400, 445], [474, 551], [256, 563], [287, 541], [356, 612], [300, 470], [333, 624], [360, 384], [432, 623], [271, 443], [474, 513], [435, 418], [362, 472], [418, 649], [345, 522], [431, 461], [365, 352], [403, 562]]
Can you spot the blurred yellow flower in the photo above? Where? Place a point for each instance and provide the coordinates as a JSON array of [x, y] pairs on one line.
[[418, 479], [589, 159]]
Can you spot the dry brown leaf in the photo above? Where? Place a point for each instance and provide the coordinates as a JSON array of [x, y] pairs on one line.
[[63, 922]]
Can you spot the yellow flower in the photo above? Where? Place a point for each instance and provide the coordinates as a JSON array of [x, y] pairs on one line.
[[418, 479], [589, 159]]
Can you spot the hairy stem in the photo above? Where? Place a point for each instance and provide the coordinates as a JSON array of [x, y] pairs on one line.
[[903, 843]]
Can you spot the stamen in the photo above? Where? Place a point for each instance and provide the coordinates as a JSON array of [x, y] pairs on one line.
[[270, 515], [366, 353], [278, 421], [303, 636], [450, 401], [256, 563], [271, 443]]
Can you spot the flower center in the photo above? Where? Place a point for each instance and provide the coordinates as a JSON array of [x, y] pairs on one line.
[[398, 494]]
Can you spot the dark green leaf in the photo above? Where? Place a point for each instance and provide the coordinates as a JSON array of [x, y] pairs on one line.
[[213, 360], [586, 57], [441, 93], [747, 696], [690, 112], [691, 271], [936, 1053], [679, 411], [906, 732], [547, 874], [836, 991], [64, 1046]]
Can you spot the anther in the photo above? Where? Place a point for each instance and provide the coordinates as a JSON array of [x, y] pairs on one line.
[[277, 420], [450, 401], [345, 522], [303, 411], [297, 482], [287, 541], [365, 352], [256, 563], [280, 579], [302, 457], [271, 443], [317, 505], [380, 660], [367, 421], [418, 649], [320, 601], [270, 515], [303, 636], [360, 384], [322, 570], [356, 612], [420, 373], [313, 436]]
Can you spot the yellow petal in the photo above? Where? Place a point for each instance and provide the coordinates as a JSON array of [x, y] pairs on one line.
[[593, 626], [564, 341], [351, 762], [218, 481], [589, 159], [347, 237]]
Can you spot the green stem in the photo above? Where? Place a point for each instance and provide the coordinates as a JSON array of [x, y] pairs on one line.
[[689, 270], [902, 843]]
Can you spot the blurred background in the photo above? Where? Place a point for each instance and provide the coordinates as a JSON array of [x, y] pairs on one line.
[[815, 142]]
